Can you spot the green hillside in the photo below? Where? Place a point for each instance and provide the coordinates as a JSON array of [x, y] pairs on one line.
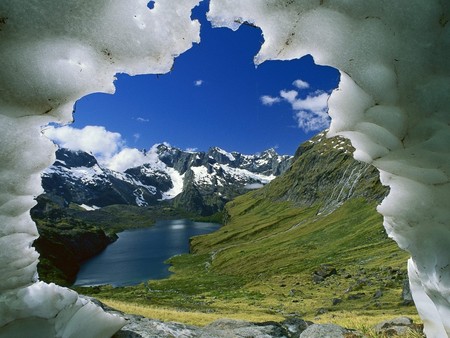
[[288, 249]]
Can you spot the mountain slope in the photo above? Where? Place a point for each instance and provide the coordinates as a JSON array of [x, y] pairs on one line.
[[308, 242]]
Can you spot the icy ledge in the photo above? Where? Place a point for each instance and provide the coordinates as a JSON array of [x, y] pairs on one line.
[[393, 103], [51, 54]]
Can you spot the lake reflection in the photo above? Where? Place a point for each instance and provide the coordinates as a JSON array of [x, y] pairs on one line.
[[139, 255]]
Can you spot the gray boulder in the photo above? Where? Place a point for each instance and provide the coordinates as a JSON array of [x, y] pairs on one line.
[[397, 326], [326, 331]]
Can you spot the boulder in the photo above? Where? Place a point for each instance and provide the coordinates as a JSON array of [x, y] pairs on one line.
[[397, 326], [406, 294], [323, 272], [328, 331]]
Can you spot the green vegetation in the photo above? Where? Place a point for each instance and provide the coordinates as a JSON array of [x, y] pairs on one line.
[[261, 263]]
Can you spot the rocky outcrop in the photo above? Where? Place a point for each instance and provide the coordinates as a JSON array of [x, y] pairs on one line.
[[398, 327], [65, 245]]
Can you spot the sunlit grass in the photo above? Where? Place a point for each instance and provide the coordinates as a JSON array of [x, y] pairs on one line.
[[363, 322], [192, 317]]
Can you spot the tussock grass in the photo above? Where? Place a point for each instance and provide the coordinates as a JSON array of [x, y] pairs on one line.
[[191, 318]]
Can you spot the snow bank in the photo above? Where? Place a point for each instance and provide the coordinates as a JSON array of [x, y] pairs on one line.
[[51, 54], [393, 104]]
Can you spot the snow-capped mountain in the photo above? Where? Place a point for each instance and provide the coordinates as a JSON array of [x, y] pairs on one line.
[[196, 181]]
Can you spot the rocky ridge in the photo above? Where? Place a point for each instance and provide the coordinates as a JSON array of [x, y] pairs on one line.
[[324, 172], [199, 182]]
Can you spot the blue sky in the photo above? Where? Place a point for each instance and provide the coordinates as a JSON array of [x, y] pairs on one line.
[[215, 96]]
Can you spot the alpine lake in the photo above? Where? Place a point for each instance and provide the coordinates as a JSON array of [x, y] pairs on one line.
[[138, 255]]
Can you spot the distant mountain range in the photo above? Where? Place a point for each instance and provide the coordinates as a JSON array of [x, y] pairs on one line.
[[199, 182]]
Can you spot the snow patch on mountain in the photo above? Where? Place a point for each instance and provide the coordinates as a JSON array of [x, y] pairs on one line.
[[225, 153], [177, 181], [246, 175]]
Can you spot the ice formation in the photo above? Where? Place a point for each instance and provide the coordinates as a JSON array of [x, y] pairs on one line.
[[393, 103], [51, 54]]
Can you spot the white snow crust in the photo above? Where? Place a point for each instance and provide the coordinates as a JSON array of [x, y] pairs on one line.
[[89, 207], [225, 153], [51, 54], [177, 181], [393, 103]]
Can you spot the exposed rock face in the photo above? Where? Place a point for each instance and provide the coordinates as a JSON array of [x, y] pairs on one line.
[[397, 326], [77, 177], [66, 249], [406, 293]]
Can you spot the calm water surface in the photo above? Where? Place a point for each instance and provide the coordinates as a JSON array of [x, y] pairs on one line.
[[139, 255]]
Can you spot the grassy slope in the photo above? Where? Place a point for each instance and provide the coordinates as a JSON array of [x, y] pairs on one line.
[[259, 267]]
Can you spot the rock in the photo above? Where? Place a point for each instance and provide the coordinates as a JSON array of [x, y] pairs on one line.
[[317, 279], [321, 311], [326, 271], [336, 301], [378, 294], [406, 293], [397, 326], [358, 295], [295, 326], [327, 331], [323, 272], [140, 327], [228, 328]]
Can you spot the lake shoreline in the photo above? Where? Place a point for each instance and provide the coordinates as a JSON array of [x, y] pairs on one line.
[[140, 254]]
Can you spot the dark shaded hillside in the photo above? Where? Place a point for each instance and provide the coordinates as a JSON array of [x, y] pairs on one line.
[[70, 235]]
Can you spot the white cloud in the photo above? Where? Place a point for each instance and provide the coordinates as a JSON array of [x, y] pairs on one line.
[[136, 137], [310, 112], [269, 100], [92, 139], [198, 83], [300, 84], [252, 186], [309, 121], [108, 147], [315, 102], [132, 157], [127, 158], [142, 119], [290, 96], [191, 150]]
